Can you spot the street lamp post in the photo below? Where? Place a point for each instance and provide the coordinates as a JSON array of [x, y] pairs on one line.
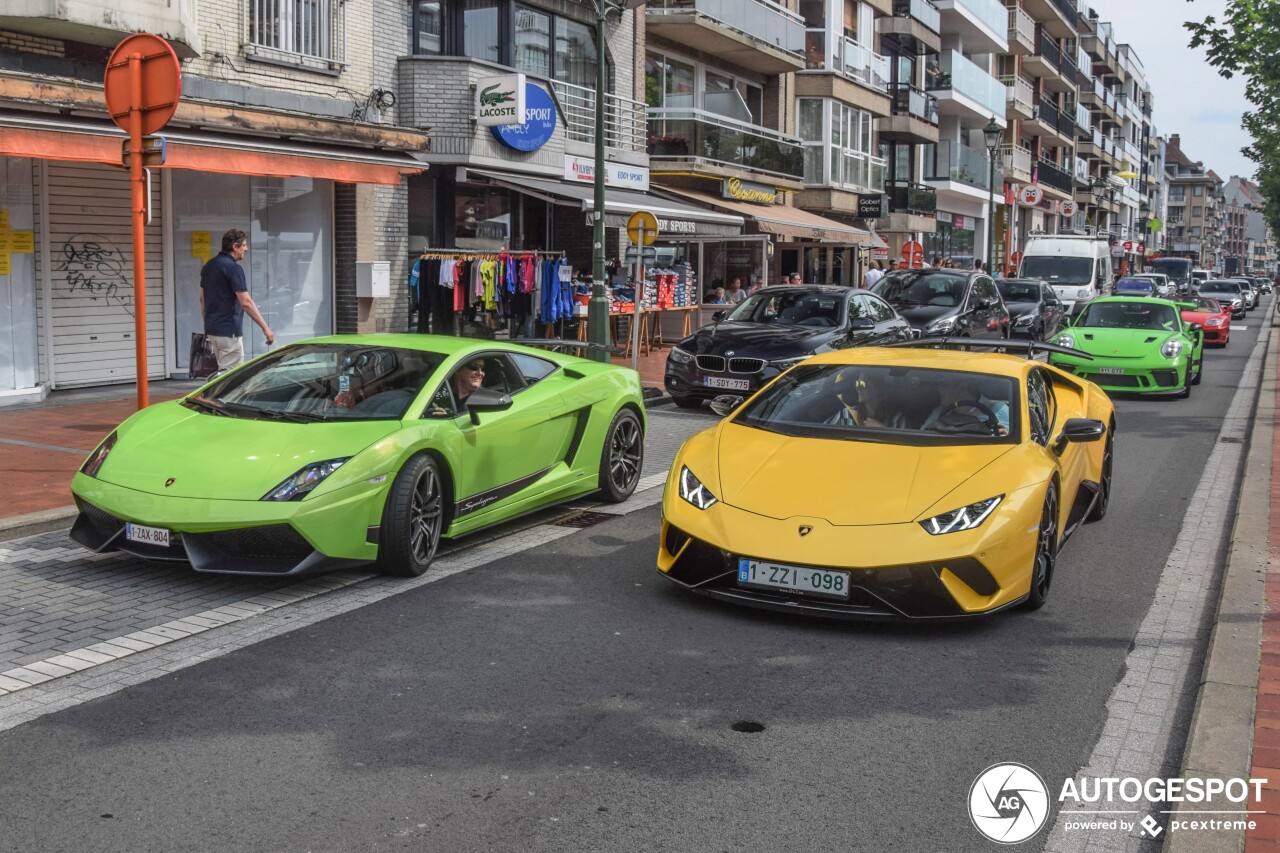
[[991, 135], [598, 306]]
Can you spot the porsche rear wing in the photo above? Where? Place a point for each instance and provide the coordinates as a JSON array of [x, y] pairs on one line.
[[1028, 348]]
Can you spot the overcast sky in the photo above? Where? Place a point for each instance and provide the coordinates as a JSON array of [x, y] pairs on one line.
[[1191, 98]]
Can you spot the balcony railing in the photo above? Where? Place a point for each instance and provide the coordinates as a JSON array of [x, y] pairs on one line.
[[864, 65], [1082, 170], [1067, 122], [1052, 175], [911, 198], [1083, 119], [962, 76], [1047, 112], [1016, 159], [921, 10], [1047, 47], [1019, 91], [706, 136], [953, 161], [1067, 8], [758, 19], [1022, 27], [908, 100], [624, 119], [1069, 68]]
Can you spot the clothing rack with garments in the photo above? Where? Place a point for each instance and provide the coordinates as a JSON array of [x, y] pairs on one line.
[[452, 289]]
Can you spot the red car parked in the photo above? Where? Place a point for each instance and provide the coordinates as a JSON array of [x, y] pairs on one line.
[[1210, 314]]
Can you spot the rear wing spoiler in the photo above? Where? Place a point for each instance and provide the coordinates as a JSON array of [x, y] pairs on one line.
[[1026, 348]]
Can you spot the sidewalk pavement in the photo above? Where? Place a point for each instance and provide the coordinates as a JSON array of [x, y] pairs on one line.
[[43, 444]]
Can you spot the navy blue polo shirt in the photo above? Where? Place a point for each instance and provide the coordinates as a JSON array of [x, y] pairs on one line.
[[221, 279]]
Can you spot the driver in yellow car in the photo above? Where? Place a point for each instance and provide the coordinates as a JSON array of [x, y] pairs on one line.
[[960, 396]]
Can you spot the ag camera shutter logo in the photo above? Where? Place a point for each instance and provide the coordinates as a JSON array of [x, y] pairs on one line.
[[1008, 803]]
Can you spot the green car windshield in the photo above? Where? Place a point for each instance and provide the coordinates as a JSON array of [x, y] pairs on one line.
[[1130, 315], [322, 382], [890, 405]]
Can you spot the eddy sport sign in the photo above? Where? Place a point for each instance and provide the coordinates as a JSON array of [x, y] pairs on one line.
[[500, 100]]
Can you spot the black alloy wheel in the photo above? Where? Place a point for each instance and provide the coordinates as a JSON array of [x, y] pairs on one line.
[[621, 457], [412, 519], [1103, 501], [1046, 551]]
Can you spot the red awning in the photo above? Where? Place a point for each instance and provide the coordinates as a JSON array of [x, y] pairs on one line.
[[212, 154]]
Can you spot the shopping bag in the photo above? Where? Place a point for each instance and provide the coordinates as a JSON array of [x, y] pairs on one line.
[[203, 361]]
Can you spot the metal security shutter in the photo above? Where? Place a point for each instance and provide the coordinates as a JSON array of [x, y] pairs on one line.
[[91, 254]]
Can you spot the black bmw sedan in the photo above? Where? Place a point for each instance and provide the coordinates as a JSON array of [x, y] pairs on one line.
[[769, 331], [1035, 310], [946, 303]]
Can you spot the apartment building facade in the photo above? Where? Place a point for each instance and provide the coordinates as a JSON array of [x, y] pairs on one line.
[[1249, 238], [1194, 208], [286, 130]]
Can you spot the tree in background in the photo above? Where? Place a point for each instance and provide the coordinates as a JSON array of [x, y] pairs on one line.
[[1246, 42]]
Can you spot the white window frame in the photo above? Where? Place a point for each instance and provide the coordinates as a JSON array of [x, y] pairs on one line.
[[321, 47], [700, 70], [844, 129]]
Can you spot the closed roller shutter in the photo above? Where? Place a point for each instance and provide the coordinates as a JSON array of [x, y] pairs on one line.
[[91, 252]]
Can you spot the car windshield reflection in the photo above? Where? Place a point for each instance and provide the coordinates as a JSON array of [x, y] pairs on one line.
[[322, 382], [907, 288], [898, 405], [1130, 315], [792, 308]]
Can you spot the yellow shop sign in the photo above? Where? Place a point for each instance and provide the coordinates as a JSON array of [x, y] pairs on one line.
[[740, 190]]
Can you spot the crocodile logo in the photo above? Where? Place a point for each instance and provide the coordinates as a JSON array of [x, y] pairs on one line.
[[490, 98]]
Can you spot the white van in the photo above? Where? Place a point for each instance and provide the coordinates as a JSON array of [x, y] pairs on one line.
[[1078, 268]]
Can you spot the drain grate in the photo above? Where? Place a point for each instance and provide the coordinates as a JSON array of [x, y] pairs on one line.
[[1231, 440], [585, 519]]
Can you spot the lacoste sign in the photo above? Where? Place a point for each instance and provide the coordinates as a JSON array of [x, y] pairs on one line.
[[500, 100]]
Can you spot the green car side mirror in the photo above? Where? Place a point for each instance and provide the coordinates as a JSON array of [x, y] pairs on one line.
[[486, 400]]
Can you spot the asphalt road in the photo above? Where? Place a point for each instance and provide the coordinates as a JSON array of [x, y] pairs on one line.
[[574, 700]]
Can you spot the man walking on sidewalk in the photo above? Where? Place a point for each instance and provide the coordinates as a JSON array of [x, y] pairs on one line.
[[225, 299]]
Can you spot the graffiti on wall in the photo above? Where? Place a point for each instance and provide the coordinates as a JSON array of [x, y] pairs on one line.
[[94, 267]]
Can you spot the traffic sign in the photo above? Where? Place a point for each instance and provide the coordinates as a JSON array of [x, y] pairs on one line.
[[1128, 245], [642, 227], [1029, 195], [913, 253], [143, 74]]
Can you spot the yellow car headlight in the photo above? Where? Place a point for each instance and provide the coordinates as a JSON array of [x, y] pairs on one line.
[[692, 490], [964, 518]]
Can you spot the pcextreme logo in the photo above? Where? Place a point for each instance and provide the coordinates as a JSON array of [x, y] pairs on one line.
[[1008, 803]]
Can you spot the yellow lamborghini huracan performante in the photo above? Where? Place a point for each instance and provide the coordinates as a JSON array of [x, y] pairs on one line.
[[892, 482]]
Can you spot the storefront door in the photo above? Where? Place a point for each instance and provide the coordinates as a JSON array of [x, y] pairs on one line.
[[18, 351]]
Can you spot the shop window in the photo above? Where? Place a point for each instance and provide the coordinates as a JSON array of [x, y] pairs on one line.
[[299, 27], [289, 268], [482, 217]]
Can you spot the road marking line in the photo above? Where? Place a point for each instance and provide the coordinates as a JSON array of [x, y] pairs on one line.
[[646, 494], [1157, 667]]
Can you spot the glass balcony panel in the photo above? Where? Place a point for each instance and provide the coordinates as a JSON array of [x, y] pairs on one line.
[[908, 100], [865, 66], [911, 198], [921, 10], [702, 135], [954, 161], [1083, 119], [760, 19], [963, 76], [992, 13]]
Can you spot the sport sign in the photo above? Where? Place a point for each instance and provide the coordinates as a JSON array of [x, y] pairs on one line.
[[500, 100]]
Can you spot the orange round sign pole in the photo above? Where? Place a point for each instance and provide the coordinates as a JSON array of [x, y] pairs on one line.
[[143, 83]]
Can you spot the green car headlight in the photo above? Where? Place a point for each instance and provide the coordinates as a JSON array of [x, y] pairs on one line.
[[1066, 341], [692, 490], [964, 518], [1171, 349], [679, 356], [298, 486], [93, 464]]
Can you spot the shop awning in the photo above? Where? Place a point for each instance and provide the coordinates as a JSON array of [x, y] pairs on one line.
[[783, 221], [97, 142], [674, 218]]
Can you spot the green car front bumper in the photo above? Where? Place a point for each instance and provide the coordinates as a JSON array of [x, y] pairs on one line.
[[1131, 375], [334, 530]]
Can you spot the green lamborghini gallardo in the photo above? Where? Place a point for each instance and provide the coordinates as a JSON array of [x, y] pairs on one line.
[[1137, 344], [359, 449]]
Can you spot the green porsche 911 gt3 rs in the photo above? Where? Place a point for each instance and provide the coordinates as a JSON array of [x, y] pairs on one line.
[[1138, 344], [348, 450]]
